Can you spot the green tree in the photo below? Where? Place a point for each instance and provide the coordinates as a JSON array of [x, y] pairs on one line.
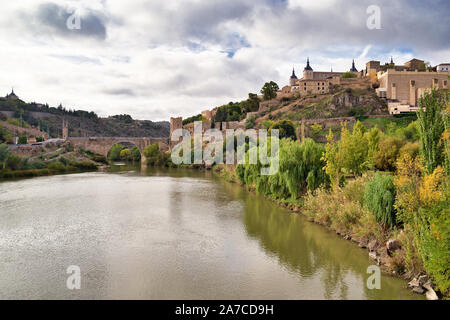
[[114, 153], [431, 127], [253, 102], [4, 153], [334, 161], [5, 135], [286, 129], [269, 90], [379, 197], [125, 154], [354, 149], [135, 154], [152, 154], [300, 170], [373, 140]]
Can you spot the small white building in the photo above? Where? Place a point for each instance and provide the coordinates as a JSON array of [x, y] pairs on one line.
[[399, 108], [443, 67]]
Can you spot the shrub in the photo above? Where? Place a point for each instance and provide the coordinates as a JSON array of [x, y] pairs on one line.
[[388, 152], [411, 132], [37, 164], [56, 166], [22, 140], [99, 158], [13, 162], [316, 129], [348, 75], [250, 122], [85, 165], [412, 149], [69, 148], [379, 197]]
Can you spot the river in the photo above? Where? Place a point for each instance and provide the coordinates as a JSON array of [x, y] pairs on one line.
[[170, 234]]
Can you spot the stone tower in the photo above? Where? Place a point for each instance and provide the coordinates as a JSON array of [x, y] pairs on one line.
[[175, 123], [308, 72], [65, 129], [293, 78]]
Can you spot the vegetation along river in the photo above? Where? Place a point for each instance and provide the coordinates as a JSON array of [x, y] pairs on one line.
[[170, 234]]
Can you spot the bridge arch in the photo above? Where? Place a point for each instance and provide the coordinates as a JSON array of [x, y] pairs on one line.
[[102, 145]]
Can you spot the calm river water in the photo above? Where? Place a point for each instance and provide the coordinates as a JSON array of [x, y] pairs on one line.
[[169, 235]]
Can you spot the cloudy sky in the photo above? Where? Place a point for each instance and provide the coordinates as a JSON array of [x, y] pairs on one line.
[[160, 58]]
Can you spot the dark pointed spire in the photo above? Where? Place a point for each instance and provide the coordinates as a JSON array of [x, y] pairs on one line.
[[308, 67], [293, 76], [392, 61], [353, 69]]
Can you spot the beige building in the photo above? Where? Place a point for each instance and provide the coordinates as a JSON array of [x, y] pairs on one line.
[[405, 88], [315, 82]]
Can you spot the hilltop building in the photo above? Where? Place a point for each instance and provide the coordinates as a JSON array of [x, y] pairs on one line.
[[403, 86], [12, 96], [315, 82], [373, 67]]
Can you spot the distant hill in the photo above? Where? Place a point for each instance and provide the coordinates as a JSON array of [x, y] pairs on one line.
[[81, 123]]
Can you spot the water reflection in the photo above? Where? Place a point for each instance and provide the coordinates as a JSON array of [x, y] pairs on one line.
[[145, 233], [309, 249]]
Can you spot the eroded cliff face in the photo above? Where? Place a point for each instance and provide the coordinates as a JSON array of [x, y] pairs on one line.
[[341, 102]]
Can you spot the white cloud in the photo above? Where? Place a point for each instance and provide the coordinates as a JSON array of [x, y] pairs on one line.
[[156, 59]]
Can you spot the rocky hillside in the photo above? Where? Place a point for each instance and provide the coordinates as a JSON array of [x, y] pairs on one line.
[[81, 123], [340, 102]]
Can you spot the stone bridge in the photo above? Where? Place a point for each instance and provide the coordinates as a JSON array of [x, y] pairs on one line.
[[102, 145]]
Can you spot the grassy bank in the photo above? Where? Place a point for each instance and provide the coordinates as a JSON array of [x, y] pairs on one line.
[[53, 159], [30, 173]]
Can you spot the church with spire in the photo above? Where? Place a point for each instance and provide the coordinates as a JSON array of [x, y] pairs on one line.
[[315, 81], [12, 95]]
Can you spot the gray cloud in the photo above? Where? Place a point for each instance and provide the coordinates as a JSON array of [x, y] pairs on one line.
[[120, 91], [52, 18]]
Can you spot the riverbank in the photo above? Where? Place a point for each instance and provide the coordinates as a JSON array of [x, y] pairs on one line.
[[32, 173], [50, 159], [342, 212]]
